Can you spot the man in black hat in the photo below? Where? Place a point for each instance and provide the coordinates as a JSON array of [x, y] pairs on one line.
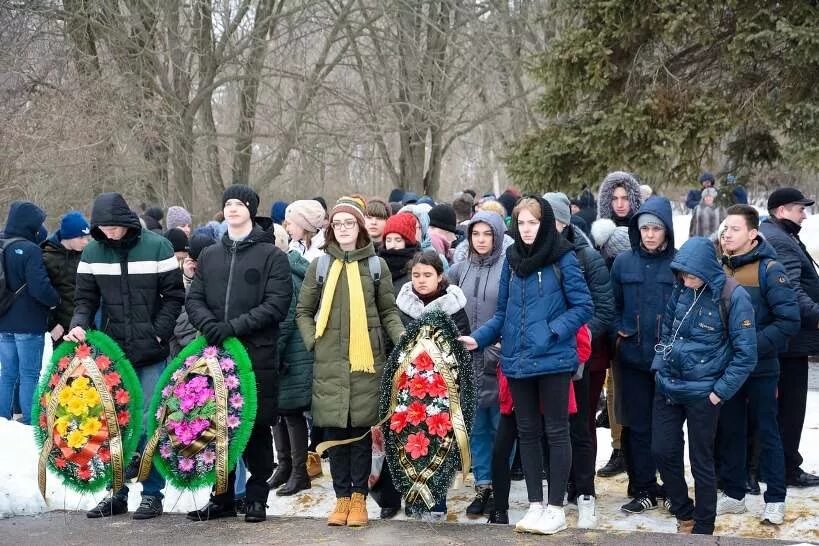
[[787, 212], [443, 221], [242, 287]]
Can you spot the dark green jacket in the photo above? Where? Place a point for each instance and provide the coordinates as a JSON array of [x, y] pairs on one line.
[[340, 396], [296, 372]]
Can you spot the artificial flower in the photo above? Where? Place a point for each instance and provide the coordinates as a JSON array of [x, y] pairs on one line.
[[55, 378], [186, 464], [84, 473], [77, 406], [423, 362], [418, 386], [123, 417], [63, 363], [104, 455], [398, 421], [233, 421], [227, 364], [403, 381], [417, 445], [231, 381], [103, 362], [80, 383], [60, 462], [165, 451], [92, 398], [439, 424], [112, 379], [437, 387], [61, 425], [82, 351], [76, 439], [416, 412], [64, 396], [209, 457], [236, 401], [210, 352], [90, 426], [122, 397]]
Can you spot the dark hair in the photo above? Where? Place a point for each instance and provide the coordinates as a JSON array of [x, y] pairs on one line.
[[471, 192], [361, 241], [427, 257], [378, 209], [746, 211]]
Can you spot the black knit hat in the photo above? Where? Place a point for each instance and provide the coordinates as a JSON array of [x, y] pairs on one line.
[[178, 239], [198, 243], [245, 194], [443, 217]]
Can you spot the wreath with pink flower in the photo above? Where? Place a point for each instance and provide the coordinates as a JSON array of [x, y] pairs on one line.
[[428, 403], [202, 411], [88, 409]]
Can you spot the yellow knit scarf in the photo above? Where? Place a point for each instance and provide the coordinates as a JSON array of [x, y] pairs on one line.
[[361, 353]]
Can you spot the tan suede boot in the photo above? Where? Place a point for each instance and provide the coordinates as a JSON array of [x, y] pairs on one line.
[[338, 516], [685, 527], [358, 511], [313, 465]]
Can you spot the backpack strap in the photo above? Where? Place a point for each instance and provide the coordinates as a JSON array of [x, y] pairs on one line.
[[763, 272], [374, 265], [322, 268], [725, 302]]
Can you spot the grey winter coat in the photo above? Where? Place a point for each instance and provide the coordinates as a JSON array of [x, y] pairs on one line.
[[479, 278]]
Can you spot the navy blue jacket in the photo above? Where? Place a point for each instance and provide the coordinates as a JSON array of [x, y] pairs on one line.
[[700, 357], [805, 282], [23, 262], [538, 330], [693, 198], [642, 282], [775, 307]]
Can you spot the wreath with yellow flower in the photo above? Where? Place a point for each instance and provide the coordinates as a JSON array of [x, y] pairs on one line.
[[85, 403]]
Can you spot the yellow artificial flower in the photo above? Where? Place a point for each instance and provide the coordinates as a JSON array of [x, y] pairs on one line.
[[90, 426], [76, 406], [61, 424], [76, 439], [80, 383], [92, 398], [65, 396]]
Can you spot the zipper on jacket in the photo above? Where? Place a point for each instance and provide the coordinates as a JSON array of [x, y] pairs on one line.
[[522, 315], [539, 286], [230, 277]]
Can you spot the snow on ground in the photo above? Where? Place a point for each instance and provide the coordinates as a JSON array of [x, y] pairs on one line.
[[19, 494]]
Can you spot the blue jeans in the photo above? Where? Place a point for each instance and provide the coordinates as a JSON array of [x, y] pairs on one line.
[[148, 377], [241, 478], [757, 397], [480, 443], [21, 357]]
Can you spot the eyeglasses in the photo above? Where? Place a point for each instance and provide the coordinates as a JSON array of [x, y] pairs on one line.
[[346, 224]]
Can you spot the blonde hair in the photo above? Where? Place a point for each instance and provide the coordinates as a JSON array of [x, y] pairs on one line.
[[307, 238], [527, 203], [493, 206]]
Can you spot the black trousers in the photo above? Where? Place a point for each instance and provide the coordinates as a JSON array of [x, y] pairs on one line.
[[551, 392], [350, 464], [258, 457], [501, 451], [637, 387], [793, 400], [384, 492], [583, 448]]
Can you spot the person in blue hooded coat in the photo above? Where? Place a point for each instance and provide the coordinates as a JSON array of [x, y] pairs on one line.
[[543, 300], [22, 326], [707, 350], [642, 282]]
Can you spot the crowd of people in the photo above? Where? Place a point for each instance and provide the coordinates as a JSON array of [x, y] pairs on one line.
[[557, 299]]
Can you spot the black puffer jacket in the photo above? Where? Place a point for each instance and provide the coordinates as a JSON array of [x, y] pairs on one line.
[[248, 285], [597, 277], [136, 280], [61, 265]]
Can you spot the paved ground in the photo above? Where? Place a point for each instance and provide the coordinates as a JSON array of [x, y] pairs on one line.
[[74, 528]]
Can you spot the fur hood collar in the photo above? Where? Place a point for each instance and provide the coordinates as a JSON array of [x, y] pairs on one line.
[[450, 303]]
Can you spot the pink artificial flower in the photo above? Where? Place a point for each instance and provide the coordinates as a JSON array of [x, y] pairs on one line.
[[190, 361], [236, 401], [188, 402], [210, 352], [166, 392], [186, 464], [233, 421], [231, 381], [209, 457], [203, 396], [165, 451], [227, 364]]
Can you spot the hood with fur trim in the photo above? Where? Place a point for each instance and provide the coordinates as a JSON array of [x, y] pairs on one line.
[[450, 303], [618, 179]]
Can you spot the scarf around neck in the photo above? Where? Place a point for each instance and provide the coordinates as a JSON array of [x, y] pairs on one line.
[[549, 245]]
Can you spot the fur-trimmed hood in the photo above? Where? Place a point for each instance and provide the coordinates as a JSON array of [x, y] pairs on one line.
[[614, 180], [450, 303]]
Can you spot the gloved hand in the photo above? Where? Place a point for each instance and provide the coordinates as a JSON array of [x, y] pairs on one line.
[[217, 332]]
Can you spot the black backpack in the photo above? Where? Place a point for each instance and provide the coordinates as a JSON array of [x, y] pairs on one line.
[[7, 297]]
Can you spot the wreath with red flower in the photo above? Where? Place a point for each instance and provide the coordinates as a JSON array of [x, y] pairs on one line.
[[428, 393], [88, 412], [203, 412]]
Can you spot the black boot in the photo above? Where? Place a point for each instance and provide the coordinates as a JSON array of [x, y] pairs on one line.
[[478, 505], [615, 466], [752, 485], [282, 441], [298, 480], [602, 420]]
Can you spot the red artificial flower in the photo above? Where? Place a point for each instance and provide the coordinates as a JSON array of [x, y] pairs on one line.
[[83, 351], [122, 397], [398, 421], [418, 386], [84, 473], [416, 412], [104, 455], [439, 424], [438, 386], [111, 379], [123, 417], [60, 462], [54, 380], [43, 420], [417, 445], [423, 362], [103, 362], [44, 401], [63, 363], [403, 381]]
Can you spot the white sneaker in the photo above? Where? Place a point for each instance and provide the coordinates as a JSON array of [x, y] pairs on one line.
[[586, 512], [729, 505], [552, 520], [527, 523], [774, 513]]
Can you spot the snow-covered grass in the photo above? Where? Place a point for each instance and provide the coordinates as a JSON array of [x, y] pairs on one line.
[[19, 494]]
